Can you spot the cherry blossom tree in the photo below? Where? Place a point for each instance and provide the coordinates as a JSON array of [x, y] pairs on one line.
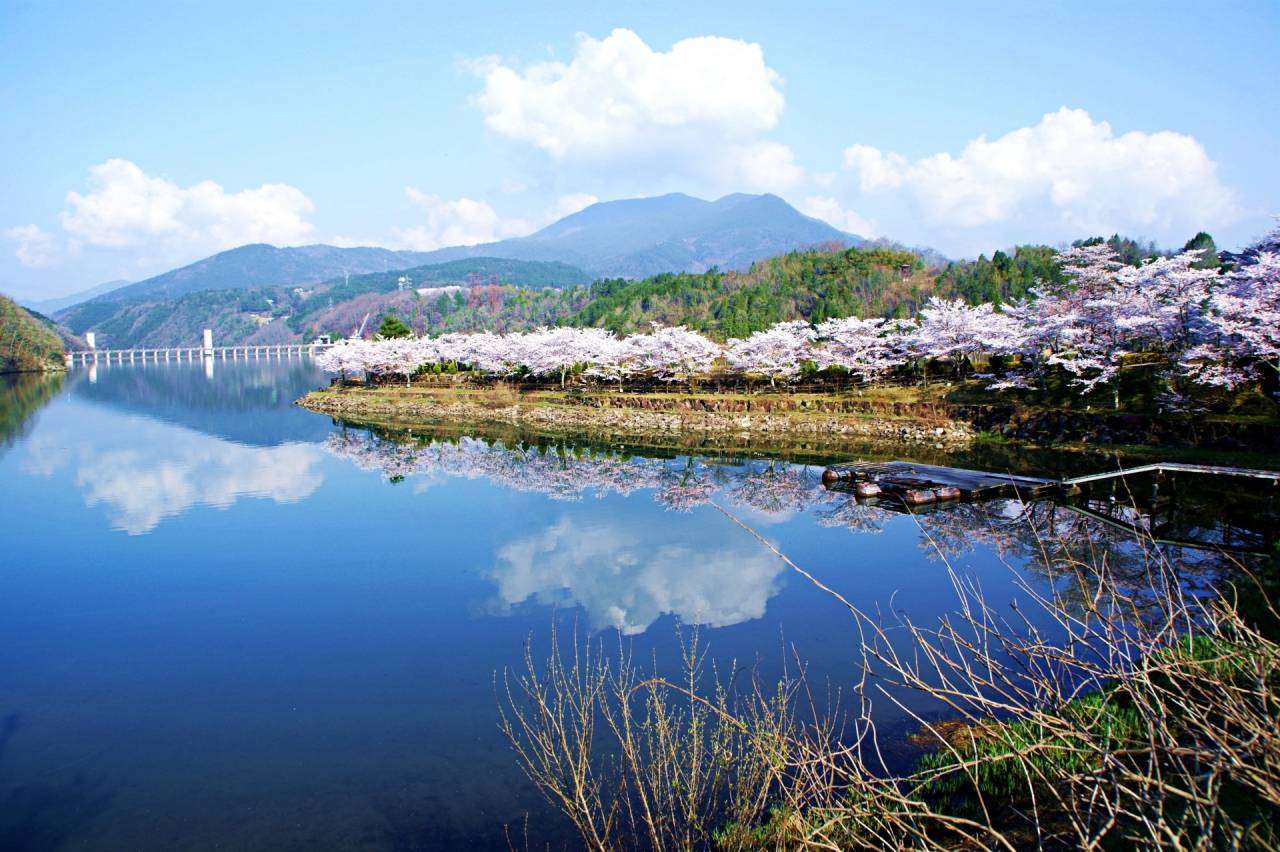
[[672, 354], [867, 348], [559, 350], [957, 331], [1242, 339], [1111, 312], [777, 352], [1212, 328]]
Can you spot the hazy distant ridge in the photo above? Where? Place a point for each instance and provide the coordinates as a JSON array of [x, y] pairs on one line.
[[636, 237]]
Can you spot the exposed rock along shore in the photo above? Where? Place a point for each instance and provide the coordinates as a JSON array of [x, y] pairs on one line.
[[648, 416]]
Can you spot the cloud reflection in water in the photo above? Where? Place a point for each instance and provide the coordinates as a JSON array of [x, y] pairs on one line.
[[144, 471], [624, 578]]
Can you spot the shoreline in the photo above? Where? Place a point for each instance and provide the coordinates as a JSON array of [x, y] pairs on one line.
[[834, 424], [683, 417]]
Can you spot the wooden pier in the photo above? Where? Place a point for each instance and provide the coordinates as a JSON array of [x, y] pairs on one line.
[[1162, 468], [921, 484]]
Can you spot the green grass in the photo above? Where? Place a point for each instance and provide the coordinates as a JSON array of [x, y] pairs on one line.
[[1101, 722]]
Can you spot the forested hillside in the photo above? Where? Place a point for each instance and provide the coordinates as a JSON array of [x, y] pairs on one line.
[[28, 342], [260, 265], [283, 313], [503, 295], [815, 285]]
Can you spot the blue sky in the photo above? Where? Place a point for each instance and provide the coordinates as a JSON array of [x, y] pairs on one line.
[[144, 137]]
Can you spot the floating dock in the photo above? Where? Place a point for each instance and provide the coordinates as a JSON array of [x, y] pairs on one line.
[[921, 484]]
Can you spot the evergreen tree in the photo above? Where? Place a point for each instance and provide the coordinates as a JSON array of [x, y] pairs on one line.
[[392, 327], [1203, 242]]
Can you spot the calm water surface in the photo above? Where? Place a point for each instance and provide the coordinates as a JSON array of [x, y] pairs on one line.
[[226, 622]]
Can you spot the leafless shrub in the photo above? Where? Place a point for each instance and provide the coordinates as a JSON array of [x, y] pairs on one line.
[[1091, 713]]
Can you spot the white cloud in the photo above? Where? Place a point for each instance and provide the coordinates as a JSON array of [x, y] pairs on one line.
[[829, 210], [622, 579], [1068, 175], [36, 247], [126, 208], [567, 205], [768, 165], [468, 221], [875, 170], [456, 222], [701, 108]]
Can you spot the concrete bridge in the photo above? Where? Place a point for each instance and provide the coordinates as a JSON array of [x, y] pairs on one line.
[[94, 355]]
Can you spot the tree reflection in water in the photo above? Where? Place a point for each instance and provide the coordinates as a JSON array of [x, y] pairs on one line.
[[21, 396], [1039, 535]]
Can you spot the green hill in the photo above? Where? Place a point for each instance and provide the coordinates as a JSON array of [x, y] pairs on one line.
[[283, 313], [467, 271], [28, 342], [813, 285]]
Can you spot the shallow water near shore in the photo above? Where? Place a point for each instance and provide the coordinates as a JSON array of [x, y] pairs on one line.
[[226, 621]]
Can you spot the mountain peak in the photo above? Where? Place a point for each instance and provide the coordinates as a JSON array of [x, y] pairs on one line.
[[634, 237], [627, 237]]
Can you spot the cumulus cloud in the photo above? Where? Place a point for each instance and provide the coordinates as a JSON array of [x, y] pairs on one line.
[[124, 207], [702, 107], [1068, 173], [455, 222], [567, 205], [830, 210], [468, 221], [35, 246], [625, 580]]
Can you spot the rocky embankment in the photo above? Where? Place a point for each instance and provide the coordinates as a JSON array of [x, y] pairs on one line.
[[639, 415], [808, 418]]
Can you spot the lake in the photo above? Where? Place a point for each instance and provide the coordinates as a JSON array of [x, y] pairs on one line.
[[227, 622]]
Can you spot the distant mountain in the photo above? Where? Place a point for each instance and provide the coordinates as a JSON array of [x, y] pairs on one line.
[[630, 238], [280, 313], [261, 265], [670, 233], [51, 306], [265, 294]]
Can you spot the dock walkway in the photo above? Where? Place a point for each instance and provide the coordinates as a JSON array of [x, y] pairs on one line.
[[918, 484]]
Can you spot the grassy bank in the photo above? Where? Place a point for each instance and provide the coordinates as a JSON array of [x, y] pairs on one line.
[[799, 418], [939, 418]]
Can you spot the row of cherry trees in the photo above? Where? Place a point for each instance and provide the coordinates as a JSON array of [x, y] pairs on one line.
[[1199, 325]]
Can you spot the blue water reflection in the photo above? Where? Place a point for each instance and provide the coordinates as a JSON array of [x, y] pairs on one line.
[[229, 622]]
